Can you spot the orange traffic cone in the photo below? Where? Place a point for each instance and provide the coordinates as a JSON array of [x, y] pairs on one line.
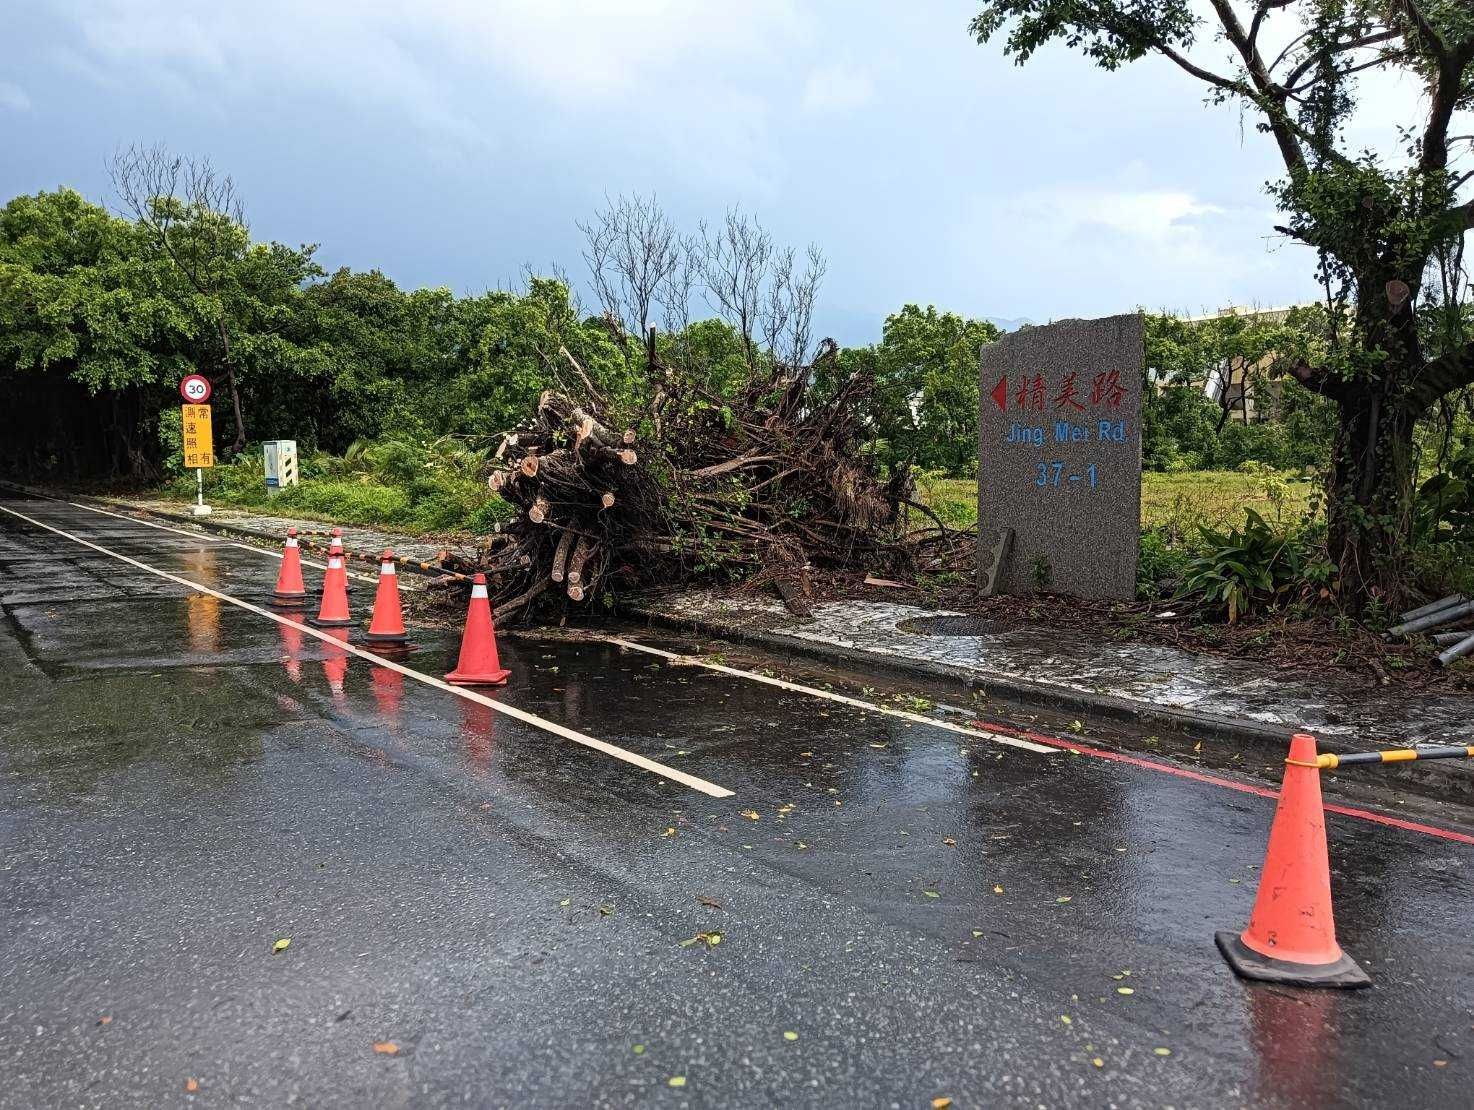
[[335, 664], [291, 641], [290, 592], [335, 547], [388, 688], [334, 610], [1291, 936], [387, 625], [478, 664]]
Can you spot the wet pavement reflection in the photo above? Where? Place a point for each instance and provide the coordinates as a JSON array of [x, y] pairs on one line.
[[933, 914]]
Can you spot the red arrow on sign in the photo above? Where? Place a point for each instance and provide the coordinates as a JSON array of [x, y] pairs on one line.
[[1000, 393]]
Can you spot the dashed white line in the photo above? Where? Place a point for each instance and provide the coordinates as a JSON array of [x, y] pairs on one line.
[[830, 695], [634, 759]]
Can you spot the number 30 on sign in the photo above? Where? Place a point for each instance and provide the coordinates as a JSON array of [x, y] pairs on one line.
[[199, 438]]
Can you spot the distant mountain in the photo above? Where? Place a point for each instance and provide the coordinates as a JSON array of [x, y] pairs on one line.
[[1009, 324]]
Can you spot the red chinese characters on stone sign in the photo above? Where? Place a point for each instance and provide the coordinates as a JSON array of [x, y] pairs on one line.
[[1030, 393], [1067, 396], [1108, 390]]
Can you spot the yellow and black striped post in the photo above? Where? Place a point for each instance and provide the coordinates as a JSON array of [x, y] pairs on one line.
[[1327, 761]]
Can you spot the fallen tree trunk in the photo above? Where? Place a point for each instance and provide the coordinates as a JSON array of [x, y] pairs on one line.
[[756, 487]]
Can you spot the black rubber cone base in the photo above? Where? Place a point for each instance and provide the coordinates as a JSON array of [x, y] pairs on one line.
[[389, 649], [316, 623], [387, 638], [1248, 964]]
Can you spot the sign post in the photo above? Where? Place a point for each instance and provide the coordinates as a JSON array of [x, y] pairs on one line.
[[199, 436]]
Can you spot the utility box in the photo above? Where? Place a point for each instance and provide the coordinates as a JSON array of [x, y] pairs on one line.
[[281, 464]]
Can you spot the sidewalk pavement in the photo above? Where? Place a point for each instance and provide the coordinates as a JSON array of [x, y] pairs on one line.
[[360, 539], [1145, 683]]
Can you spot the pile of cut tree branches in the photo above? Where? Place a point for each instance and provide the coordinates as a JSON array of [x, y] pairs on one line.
[[755, 488]]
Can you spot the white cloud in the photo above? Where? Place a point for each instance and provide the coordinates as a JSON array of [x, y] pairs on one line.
[[1111, 247], [837, 88], [14, 97], [1155, 218], [673, 76]]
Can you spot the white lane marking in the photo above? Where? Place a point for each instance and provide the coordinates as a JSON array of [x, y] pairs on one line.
[[708, 788], [202, 536], [829, 695]]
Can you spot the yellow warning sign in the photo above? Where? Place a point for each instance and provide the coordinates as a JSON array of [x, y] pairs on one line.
[[199, 437]]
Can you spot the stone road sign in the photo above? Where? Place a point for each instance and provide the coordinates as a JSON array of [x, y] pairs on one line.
[[1059, 458]]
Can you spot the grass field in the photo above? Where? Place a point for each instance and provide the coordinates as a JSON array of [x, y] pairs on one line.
[[1178, 502]]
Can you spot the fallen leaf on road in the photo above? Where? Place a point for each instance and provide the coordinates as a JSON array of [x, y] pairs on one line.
[[977, 933], [709, 902], [1098, 1062], [605, 910], [997, 890], [676, 1081], [790, 1035], [1124, 990], [1063, 898], [752, 815], [281, 945], [941, 1103], [949, 842], [565, 901], [1066, 1019], [106, 1019], [191, 1085], [386, 1048], [639, 1050], [1162, 1051], [671, 831], [711, 940]]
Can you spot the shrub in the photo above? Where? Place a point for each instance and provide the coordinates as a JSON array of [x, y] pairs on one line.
[[1258, 565], [1162, 563]]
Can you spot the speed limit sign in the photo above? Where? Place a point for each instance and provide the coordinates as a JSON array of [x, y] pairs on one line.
[[195, 389]]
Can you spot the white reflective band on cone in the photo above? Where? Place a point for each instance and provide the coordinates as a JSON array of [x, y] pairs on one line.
[[386, 568], [334, 563], [478, 591], [291, 541]]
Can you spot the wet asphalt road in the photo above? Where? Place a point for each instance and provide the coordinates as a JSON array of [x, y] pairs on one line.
[[911, 916]]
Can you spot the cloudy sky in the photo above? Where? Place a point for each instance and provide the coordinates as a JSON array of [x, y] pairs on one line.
[[450, 142]]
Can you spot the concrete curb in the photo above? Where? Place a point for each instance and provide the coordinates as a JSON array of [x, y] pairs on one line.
[[1047, 695], [1448, 782]]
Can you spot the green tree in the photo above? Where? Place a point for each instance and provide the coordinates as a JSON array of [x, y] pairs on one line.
[[1251, 355], [240, 293], [1386, 231], [90, 333], [925, 404]]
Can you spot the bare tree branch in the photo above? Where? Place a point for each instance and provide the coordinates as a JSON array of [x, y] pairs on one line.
[[196, 220], [631, 250]]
